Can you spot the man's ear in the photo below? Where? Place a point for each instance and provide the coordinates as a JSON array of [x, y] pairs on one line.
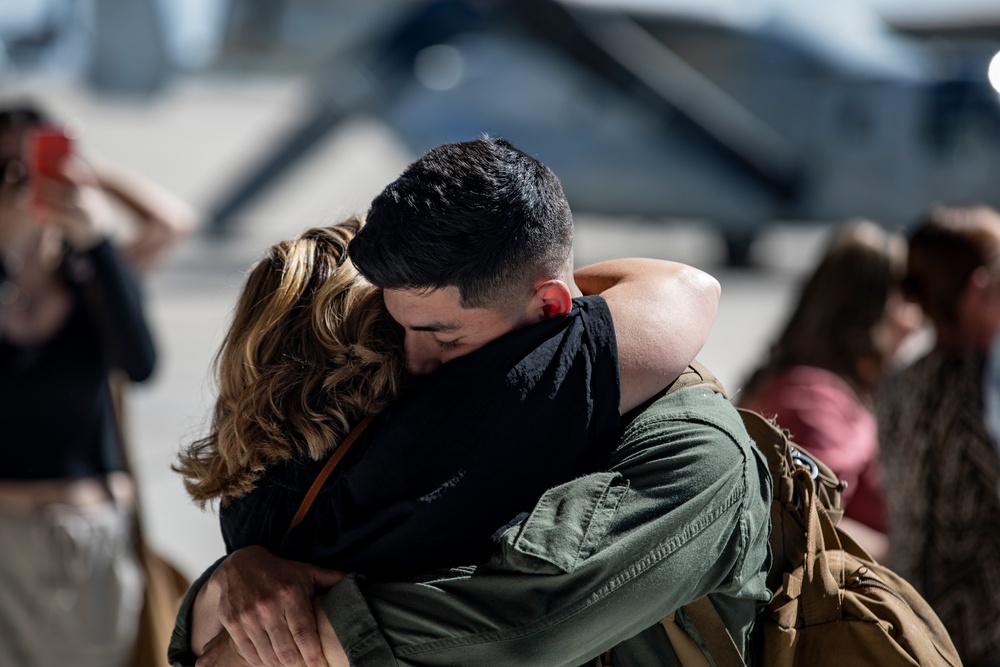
[[551, 298]]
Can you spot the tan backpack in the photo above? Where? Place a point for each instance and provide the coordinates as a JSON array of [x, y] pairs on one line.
[[832, 603]]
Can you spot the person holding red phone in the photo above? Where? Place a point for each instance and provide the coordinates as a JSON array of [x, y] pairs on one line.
[[71, 314], [157, 219]]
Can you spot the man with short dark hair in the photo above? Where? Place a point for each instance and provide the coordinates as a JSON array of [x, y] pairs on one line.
[[478, 225], [472, 242]]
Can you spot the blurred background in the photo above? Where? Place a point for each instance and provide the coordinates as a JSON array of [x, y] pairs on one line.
[[728, 134]]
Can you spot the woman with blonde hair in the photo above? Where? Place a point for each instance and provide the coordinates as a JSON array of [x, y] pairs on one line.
[[821, 376], [310, 350]]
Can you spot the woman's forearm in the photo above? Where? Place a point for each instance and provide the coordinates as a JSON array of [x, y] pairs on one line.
[[663, 313], [160, 217]]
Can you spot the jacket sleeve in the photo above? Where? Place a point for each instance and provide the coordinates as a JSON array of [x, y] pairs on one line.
[[179, 652], [682, 512]]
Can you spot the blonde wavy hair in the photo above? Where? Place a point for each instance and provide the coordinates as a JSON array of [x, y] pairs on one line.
[[311, 350]]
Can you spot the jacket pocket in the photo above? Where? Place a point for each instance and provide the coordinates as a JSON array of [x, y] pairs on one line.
[[566, 526]]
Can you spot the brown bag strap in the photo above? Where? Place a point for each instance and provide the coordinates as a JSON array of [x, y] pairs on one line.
[[118, 384], [714, 633], [321, 478], [820, 598], [695, 375]]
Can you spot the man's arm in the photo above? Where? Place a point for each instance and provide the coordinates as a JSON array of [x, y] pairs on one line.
[[683, 512]]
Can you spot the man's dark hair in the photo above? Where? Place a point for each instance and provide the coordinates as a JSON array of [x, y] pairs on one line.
[[482, 216]]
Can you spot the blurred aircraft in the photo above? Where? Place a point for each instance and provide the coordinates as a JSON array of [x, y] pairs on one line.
[[735, 113], [116, 46]]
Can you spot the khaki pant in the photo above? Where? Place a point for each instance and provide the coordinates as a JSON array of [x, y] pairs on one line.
[[70, 587]]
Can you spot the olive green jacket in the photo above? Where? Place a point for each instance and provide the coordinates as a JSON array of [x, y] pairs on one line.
[[683, 511]]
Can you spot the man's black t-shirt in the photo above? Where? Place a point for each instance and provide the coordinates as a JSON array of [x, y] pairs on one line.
[[437, 477]]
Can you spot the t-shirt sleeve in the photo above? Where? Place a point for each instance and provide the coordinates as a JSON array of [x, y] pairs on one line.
[[567, 388], [602, 346]]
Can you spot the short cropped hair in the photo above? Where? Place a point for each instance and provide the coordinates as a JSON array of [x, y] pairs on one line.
[[481, 216]]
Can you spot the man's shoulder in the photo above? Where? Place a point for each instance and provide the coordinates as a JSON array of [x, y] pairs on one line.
[[695, 376], [696, 396], [694, 408]]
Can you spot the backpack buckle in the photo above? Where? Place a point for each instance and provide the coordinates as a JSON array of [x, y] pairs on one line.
[[804, 461]]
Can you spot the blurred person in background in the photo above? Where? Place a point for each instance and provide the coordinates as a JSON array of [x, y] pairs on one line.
[[821, 376], [942, 470], [156, 218], [70, 315]]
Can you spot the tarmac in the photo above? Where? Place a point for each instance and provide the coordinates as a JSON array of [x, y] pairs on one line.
[[196, 138]]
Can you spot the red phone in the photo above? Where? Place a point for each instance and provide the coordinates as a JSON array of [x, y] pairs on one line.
[[46, 149]]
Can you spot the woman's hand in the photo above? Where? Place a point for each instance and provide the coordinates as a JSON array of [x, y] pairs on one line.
[[265, 604], [333, 651], [72, 204]]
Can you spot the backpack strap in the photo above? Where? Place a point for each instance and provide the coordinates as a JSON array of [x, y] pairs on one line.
[[695, 375], [321, 478], [687, 650], [797, 477], [701, 612], [714, 634]]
